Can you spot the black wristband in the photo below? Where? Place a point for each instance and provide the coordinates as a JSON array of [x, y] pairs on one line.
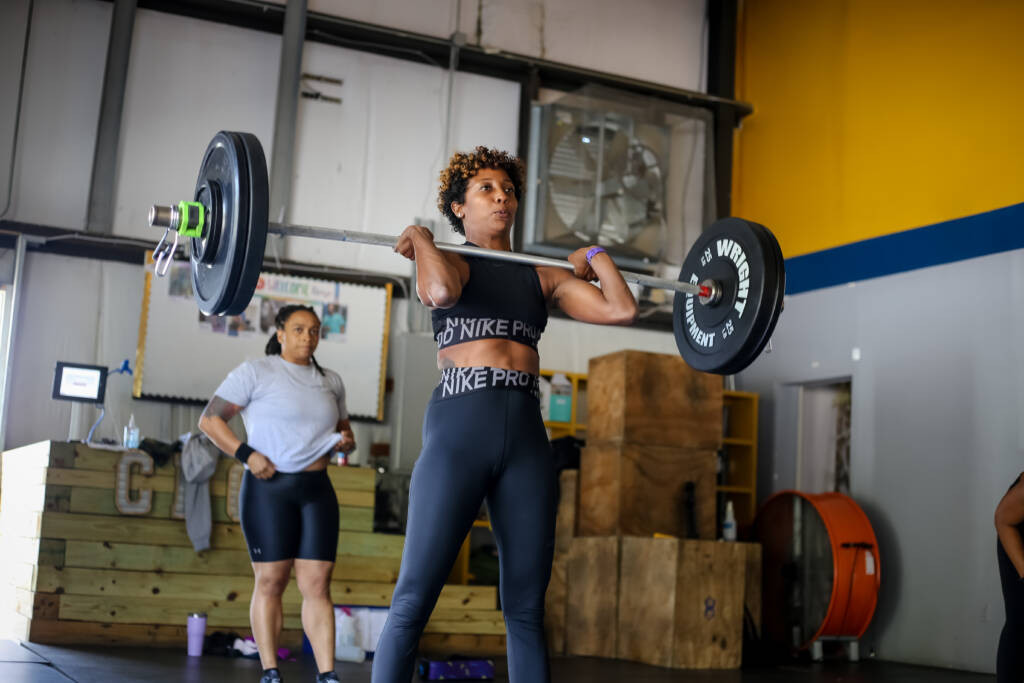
[[243, 452]]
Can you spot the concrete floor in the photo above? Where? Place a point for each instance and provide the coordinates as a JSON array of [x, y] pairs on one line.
[[31, 663]]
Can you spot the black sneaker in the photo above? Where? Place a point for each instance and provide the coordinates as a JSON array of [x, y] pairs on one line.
[[327, 677], [271, 676]]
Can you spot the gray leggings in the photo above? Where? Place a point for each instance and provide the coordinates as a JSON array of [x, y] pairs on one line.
[[486, 444]]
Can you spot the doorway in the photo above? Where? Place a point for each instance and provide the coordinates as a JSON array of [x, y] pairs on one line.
[[823, 436]]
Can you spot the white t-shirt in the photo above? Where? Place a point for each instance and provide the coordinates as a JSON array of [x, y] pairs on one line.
[[290, 411]]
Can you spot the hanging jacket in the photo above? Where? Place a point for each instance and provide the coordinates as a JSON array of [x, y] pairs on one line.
[[199, 459]]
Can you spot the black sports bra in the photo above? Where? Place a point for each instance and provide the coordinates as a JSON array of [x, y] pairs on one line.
[[501, 300]]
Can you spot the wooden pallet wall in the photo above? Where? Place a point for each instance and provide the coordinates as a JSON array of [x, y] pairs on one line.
[[77, 570]]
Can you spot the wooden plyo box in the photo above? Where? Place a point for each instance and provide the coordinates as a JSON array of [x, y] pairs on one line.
[[639, 490], [653, 399], [681, 602], [667, 602], [78, 571], [592, 574]]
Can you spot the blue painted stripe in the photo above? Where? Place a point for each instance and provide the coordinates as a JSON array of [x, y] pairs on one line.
[[956, 240]]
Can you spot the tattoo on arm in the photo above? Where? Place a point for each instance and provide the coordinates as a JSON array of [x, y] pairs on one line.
[[218, 407]]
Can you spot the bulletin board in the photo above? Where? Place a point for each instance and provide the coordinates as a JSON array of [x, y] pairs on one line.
[[182, 355]]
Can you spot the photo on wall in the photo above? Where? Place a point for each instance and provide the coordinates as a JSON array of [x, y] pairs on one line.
[[179, 281], [268, 307], [242, 325], [333, 321]]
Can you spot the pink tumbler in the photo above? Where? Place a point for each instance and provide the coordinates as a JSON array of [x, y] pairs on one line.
[[196, 632]]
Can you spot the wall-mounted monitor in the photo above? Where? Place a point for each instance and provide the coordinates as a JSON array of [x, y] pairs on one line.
[[78, 382]]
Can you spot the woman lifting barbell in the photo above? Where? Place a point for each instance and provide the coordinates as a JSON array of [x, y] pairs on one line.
[[295, 417], [484, 438]]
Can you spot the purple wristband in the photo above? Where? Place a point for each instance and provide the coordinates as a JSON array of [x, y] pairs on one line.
[[594, 251]]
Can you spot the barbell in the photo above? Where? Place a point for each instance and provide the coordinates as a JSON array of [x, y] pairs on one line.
[[727, 298]]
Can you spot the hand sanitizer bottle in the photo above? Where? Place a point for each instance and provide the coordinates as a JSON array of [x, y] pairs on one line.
[[131, 434]]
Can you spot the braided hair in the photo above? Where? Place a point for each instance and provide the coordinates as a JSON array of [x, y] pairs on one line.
[[273, 347]]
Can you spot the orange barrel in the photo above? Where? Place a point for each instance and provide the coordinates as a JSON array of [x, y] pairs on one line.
[[821, 572]]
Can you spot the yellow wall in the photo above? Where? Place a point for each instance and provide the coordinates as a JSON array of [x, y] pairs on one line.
[[876, 116]]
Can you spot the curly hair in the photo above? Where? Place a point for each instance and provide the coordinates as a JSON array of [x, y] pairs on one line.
[[462, 167]]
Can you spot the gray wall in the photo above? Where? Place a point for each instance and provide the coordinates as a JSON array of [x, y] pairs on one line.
[[81, 311], [59, 110], [937, 437]]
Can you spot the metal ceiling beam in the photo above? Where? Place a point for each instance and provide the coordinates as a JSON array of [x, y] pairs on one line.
[[100, 216], [290, 72]]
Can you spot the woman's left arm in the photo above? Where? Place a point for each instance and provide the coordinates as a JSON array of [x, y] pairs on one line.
[[611, 304]]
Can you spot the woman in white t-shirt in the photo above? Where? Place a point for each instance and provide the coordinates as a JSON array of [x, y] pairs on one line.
[[295, 417]]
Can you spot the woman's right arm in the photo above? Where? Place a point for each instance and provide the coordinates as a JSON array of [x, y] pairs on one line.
[[1009, 514], [214, 423], [439, 276]]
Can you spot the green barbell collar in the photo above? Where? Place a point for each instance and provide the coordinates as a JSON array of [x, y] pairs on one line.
[[192, 219]]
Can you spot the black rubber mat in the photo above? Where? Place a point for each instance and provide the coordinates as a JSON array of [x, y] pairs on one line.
[[102, 665]]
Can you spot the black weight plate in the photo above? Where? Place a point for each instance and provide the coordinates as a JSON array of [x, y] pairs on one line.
[[774, 279], [216, 259], [259, 207], [712, 338], [722, 338], [778, 283]]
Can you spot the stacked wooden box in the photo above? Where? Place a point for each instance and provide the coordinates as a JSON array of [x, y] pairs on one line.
[[77, 570], [664, 601], [654, 426]]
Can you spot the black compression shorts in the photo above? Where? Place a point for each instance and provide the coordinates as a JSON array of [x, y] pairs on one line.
[[289, 516]]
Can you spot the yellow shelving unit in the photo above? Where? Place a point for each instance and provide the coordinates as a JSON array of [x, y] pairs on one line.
[[739, 442]]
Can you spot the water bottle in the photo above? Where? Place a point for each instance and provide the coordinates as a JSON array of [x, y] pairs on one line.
[[561, 399], [729, 523], [196, 630]]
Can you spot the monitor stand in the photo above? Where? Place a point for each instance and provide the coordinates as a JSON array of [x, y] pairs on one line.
[[77, 424]]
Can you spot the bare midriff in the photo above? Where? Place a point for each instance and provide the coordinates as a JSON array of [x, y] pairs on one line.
[[319, 464], [493, 353]]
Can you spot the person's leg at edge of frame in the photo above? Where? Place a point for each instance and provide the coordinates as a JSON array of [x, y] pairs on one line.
[[1010, 651], [314, 580], [265, 611]]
